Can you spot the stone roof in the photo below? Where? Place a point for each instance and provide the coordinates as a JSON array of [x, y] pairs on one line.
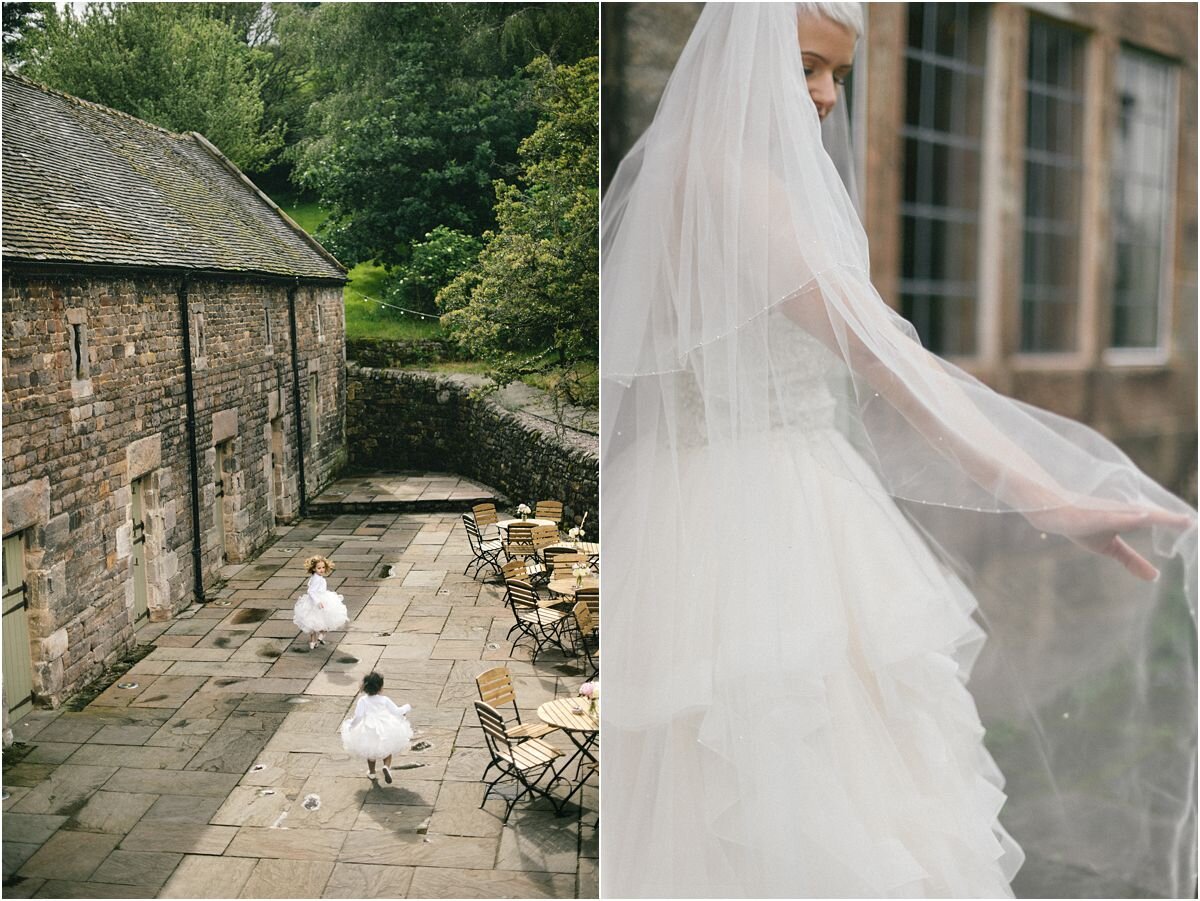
[[85, 184]]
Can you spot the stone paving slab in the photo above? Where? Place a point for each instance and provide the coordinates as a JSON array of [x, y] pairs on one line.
[[222, 774]]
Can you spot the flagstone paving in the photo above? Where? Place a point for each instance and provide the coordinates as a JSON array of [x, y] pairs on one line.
[[222, 773]]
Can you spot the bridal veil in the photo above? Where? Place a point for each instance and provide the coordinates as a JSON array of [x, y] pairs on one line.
[[739, 321]]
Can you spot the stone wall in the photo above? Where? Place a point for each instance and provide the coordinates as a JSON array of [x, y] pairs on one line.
[[420, 421], [94, 399], [379, 354]]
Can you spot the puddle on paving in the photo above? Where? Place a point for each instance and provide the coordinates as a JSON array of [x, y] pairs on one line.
[[221, 641], [385, 572], [422, 746], [250, 615], [269, 652], [347, 659]]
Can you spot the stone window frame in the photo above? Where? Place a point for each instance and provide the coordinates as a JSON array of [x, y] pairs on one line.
[[199, 336], [320, 321], [80, 350], [269, 345]]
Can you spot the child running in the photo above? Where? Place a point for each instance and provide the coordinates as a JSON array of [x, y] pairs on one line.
[[378, 728], [319, 610]]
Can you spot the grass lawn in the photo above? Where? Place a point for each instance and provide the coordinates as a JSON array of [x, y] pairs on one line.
[[364, 317]]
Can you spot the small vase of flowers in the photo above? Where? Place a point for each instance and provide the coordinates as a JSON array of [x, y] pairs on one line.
[[523, 511], [591, 691]]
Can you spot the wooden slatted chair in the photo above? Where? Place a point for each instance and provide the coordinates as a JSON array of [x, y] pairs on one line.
[[526, 570], [525, 762], [485, 551], [543, 537], [548, 510], [486, 519], [544, 625], [589, 634], [496, 688], [519, 542]]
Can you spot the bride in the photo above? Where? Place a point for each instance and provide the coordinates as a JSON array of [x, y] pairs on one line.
[[815, 522]]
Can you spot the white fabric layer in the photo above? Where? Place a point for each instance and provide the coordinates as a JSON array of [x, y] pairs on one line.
[[378, 728], [319, 609], [801, 502]]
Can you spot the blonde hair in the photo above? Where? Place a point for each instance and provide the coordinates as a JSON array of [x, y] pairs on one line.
[[310, 565], [848, 14]]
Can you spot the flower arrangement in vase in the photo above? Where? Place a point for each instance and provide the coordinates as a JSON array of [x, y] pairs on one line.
[[591, 691], [523, 511]]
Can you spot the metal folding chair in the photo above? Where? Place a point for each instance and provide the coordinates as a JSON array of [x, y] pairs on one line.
[[524, 762], [485, 551]]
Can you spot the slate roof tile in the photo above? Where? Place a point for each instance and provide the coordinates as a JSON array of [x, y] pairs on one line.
[[83, 183]]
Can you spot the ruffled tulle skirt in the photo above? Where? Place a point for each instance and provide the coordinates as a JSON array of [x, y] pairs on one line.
[[815, 737], [310, 616], [378, 735]]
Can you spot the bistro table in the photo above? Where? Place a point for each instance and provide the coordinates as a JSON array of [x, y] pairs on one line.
[[582, 728], [591, 549], [503, 524], [567, 586]]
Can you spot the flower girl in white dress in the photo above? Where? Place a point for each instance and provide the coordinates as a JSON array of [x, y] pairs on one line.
[[378, 729], [319, 610]]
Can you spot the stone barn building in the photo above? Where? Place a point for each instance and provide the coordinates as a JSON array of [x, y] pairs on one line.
[[174, 379]]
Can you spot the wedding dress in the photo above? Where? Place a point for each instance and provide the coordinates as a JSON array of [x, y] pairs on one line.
[[811, 524]]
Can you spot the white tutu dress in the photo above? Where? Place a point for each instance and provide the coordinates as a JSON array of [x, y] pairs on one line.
[[319, 609], [378, 728]]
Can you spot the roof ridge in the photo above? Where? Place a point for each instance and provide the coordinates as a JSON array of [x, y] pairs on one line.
[[100, 107]]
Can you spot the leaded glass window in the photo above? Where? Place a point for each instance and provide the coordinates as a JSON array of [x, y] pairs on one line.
[[1053, 178], [942, 133], [1142, 164]]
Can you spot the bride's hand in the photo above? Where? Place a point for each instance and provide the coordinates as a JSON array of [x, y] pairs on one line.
[[1099, 531]]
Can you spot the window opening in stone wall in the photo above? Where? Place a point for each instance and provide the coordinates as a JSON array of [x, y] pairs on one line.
[[198, 330], [137, 513], [320, 323], [1053, 178], [942, 133], [1142, 179], [79, 349], [267, 328], [220, 486], [313, 414], [18, 661], [275, 470]]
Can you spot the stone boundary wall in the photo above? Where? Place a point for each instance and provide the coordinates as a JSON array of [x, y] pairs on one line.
[[403, 420], [379, 354]]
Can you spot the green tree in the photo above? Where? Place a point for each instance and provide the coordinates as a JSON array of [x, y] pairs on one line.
[[182, 66], [530, 304], [417, 109], [22, 23], [432, 264]]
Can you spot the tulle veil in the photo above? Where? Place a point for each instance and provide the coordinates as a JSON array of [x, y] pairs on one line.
[[734, 278]]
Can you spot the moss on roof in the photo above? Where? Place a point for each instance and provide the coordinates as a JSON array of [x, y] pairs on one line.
[[86, 184]]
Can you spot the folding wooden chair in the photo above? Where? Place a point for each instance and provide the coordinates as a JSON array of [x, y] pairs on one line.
[[589, 633], [525, 570], [544, 625], [548, 510], [519, 542], [486, 519], [485, 551], [496, 688], [524, 762]]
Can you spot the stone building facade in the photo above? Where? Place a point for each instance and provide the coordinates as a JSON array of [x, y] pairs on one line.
[[1027, 178], [174, 379]]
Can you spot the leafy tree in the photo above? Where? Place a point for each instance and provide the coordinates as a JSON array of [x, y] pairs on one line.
[[433, 263], [417, 110], [531, 301], [22, 22], [182, 66]]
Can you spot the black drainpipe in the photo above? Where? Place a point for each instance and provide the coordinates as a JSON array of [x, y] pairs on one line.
[[296, 399], [194, 468]]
